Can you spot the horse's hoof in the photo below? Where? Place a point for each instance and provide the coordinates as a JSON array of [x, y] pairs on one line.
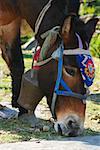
[[30, 119], [22, 111]]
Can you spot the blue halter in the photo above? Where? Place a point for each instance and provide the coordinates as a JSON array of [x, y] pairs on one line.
[[67, 91]]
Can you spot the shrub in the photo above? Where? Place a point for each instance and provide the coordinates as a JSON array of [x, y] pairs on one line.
[[90, 7], [95, 46]]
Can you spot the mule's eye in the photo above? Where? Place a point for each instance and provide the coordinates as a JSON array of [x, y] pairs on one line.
[[71, 71]]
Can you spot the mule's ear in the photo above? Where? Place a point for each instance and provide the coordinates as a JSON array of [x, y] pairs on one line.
[[66, 27], [90, 27]]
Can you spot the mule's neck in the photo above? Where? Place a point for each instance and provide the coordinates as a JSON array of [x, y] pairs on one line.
[[56, 15], [53, 17], [30, 10]]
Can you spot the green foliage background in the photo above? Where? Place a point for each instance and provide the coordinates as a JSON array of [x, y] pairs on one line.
[[95, 46], [92, 7]]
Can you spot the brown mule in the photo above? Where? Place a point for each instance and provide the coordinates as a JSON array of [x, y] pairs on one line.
[[69, 110]]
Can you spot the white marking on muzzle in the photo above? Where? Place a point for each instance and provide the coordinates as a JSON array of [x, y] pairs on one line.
[[70, 123]]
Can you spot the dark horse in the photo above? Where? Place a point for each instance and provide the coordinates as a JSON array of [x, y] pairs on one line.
[[11, 13]]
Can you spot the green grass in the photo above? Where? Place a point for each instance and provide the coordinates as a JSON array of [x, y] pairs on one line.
[[95, 45], [94, 9], [27, 59], [14, 130]]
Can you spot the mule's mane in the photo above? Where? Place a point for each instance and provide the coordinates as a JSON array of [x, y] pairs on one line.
[[60, 4], [70, 6]]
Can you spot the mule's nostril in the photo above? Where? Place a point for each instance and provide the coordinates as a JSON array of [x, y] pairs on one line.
[[59, 129], [70, 123]]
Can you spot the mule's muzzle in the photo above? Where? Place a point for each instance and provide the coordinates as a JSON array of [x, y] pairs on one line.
[[69, 127], [62, 130]]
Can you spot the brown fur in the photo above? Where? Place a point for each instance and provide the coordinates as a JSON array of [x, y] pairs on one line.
[[8, 34], [8, 11]]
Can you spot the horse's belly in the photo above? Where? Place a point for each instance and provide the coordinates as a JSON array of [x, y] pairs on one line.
[[8, 32], [6, 17]]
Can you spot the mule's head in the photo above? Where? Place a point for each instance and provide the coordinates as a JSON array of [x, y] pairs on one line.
[[69, 110]]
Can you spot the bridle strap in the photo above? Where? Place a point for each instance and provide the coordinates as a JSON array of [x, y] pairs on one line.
[[76, 52], [41, 16], [42, 62], [79, 41], [59, 76]]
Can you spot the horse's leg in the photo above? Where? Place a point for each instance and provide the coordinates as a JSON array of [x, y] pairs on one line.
[[12, 54], [17, 68]]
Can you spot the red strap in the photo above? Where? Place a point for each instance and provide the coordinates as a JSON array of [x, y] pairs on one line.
[[36, 58]]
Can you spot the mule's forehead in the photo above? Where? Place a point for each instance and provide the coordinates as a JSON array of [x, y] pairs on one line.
[[70, 61]]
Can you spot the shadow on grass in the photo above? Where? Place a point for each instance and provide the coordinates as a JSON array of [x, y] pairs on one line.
[[23, 132], [89, 131]]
